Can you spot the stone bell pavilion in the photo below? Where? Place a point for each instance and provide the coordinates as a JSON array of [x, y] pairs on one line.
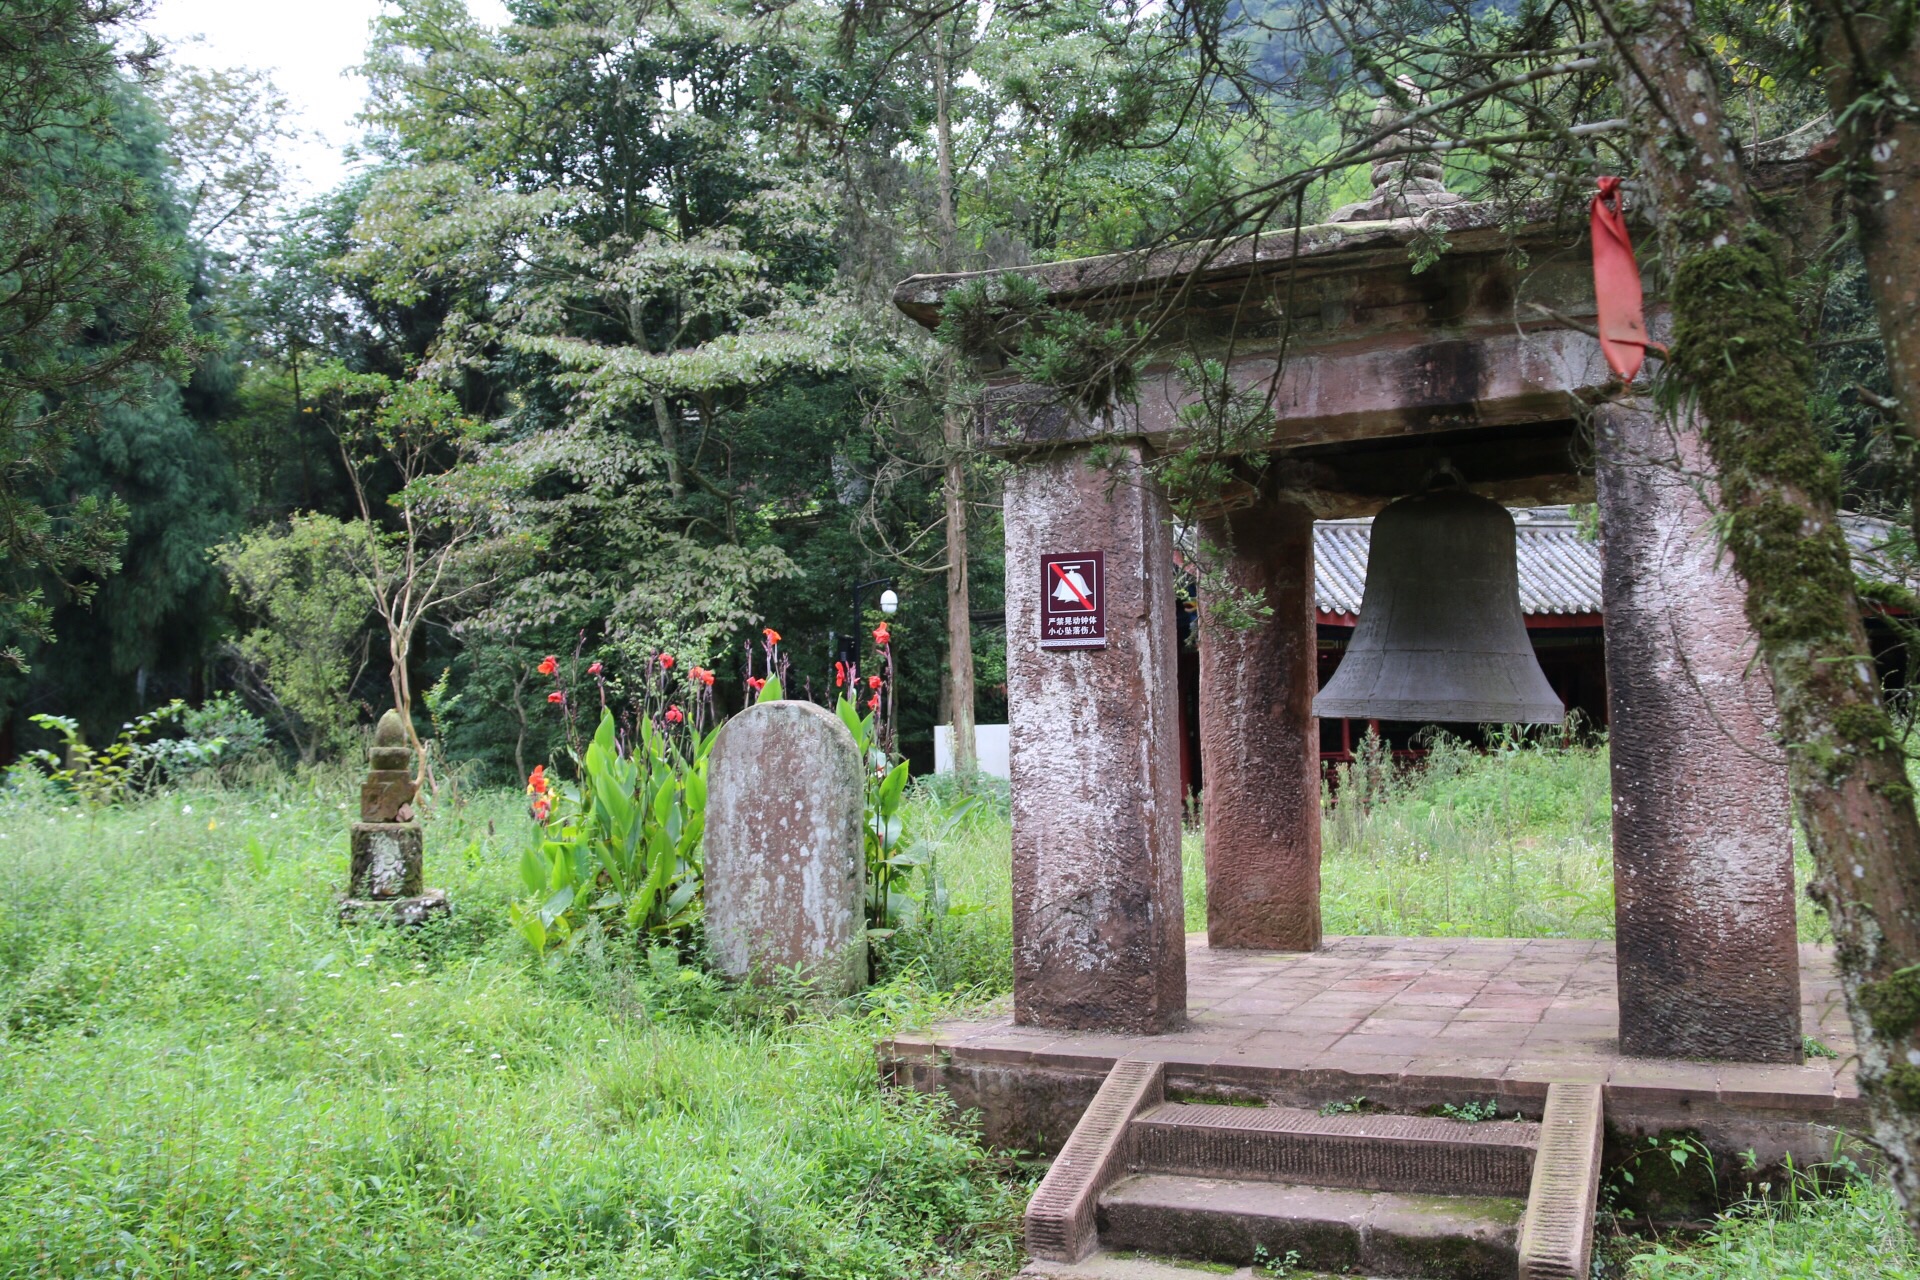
[[1477, 379]]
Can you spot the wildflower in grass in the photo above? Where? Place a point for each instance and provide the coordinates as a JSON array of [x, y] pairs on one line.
[[675, 715], [882, 636], [666, 662], [556, 697], [548, 665]]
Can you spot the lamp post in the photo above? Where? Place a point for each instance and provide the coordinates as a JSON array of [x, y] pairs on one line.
[[889, 605]]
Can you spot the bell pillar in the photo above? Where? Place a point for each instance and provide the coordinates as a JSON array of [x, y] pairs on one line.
[[1706, 947], [1098, 921], [1259, 742]]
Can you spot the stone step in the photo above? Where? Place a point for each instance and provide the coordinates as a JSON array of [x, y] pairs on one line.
[[1344, 1229], [1372, 1152]]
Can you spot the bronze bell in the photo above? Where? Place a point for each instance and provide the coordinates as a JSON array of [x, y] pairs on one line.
[[1441, 637]]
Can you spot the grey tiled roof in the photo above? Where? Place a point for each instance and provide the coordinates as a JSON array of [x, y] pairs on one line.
[[1559, 569]]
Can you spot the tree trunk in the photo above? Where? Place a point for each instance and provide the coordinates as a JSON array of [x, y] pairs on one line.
[[1870, 48], [959, 620], [1739, 351], [946, 223], [953, 432]]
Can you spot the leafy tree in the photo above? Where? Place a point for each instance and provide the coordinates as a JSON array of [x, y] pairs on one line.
[[639, 246], [311, 643], [91, 297], [446, 543]]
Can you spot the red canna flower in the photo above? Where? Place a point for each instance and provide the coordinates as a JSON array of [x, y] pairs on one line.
[[881, 635], [595, 669], [773, 637], [873, 703], [556, 697], [873, 682], [755, 683], [666, 662], [549, 665], [839, 674], [703, 675], [675, 715], [537, 781], [541, 808]]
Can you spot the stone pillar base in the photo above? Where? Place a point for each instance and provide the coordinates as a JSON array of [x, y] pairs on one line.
[[409, 912]]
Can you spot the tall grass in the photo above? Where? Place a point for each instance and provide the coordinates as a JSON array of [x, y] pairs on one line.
[[201, 1074], [1857, 1233], [1513, 843]]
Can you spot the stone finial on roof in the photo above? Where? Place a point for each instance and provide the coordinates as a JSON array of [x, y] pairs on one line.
[[1404, 186]]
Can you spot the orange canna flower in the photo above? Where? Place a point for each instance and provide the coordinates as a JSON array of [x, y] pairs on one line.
[[666, 662], [773, 637], [881, 635], [556, 697], [548, 665], [839, 674], [675, 715], [541, 808], [873, 682], [595, 669], [537, 781], [755, 683], [873, 703]]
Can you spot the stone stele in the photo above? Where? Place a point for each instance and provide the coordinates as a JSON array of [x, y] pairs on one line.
[[785, 869], [385, 881]]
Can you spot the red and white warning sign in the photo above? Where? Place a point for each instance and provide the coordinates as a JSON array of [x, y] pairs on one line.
[[1073, 605]]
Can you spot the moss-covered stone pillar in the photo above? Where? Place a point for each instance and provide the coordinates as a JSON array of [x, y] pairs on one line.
[[1706, 946], [1259, 742], [1098, 923]]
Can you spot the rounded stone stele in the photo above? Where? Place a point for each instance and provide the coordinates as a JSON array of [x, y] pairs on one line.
[[390, 747], [785, 869]]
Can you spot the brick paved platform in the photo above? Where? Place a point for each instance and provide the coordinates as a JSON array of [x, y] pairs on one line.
[[1408, 1023]]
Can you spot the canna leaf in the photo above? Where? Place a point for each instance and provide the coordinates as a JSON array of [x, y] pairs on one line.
[[557, 905]]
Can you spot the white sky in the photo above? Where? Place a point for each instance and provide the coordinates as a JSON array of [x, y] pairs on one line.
[[308, 47]]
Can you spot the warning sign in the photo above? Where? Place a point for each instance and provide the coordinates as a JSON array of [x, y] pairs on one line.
[[1073, 606]]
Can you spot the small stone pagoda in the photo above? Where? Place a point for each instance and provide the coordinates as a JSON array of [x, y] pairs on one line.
[[388, 845]]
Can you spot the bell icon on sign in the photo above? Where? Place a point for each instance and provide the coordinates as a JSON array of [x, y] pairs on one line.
[[1072, 589]]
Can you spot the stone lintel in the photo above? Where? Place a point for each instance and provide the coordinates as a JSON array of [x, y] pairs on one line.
[[1098, 923], [1382, 389], [1706, 946], [1259, 741]]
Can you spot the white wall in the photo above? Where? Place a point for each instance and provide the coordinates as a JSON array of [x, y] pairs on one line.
[[989, 743]]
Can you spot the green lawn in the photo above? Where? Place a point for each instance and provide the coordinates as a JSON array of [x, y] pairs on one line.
[[200, 1074]]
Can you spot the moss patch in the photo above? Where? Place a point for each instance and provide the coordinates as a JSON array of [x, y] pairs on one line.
[[1893, 1003], [1737, 344]]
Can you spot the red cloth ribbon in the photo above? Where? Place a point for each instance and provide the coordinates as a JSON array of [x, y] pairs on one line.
[[1616, 286]]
